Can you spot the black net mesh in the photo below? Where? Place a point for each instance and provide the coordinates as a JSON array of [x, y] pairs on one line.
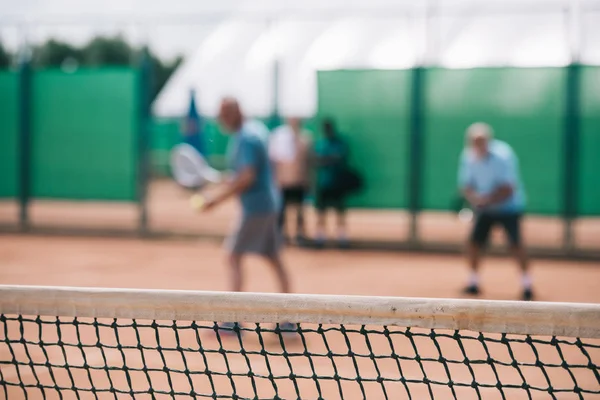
[[77, 358]]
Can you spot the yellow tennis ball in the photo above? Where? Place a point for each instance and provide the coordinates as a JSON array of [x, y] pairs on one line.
[[196, 202]]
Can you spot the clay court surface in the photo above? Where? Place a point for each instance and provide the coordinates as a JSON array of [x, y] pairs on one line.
[[198, 265], [169, 211]]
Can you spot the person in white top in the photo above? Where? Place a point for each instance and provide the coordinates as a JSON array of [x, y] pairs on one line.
[[289, 151]]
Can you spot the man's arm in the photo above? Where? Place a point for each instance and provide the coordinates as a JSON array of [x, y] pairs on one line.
[[246, 164], [471, 196], [499, 195], [465, 181], [237, 185], [506, 182]]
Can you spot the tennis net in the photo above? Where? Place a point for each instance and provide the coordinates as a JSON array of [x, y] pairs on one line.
[[83, 343]]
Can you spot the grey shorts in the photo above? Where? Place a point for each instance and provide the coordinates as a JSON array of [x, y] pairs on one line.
[[256, 234]]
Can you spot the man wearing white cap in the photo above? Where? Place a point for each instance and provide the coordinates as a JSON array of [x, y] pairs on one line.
[[489, 180]]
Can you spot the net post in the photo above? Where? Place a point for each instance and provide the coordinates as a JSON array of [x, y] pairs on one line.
[[24, 143], [143, 167], [571, 145], [416, 150]]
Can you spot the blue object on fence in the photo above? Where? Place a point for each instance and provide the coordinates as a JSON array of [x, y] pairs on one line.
[[193, 126]]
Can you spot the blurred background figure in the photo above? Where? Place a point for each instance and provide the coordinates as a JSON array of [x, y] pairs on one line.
[[257, 231], [257, 128], [490, 182], [289, 150], [192, 126], [331, 153]]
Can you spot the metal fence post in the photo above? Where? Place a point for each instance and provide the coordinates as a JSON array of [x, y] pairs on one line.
[[571, 157], [144, 91], [416, 151], [275, 117], [24, 150]]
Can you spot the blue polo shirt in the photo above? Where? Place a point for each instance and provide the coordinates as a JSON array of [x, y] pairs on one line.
[[500, 167], [247, 150]]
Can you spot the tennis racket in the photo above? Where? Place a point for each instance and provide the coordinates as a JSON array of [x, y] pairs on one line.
[[190, 169]]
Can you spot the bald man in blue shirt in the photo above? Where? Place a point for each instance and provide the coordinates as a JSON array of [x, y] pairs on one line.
[[489, 181]]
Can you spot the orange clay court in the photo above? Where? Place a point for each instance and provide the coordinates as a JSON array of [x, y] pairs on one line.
[[169, 211], [198, 265]]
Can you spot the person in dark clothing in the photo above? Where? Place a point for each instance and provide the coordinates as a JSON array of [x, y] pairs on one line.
[[331, 153]]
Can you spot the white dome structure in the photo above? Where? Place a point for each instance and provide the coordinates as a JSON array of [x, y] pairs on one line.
[[386, 35]]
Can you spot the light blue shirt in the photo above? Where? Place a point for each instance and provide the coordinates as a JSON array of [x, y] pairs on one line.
[[247, 150], [257, 128], [500, 167]]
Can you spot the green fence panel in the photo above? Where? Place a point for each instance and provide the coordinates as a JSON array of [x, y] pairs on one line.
[[589, 145], [525, 107], [9, 134], [164, 134], [85, 134], [372, 111], [217, 142]]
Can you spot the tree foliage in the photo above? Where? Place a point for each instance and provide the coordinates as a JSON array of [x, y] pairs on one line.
[[5, 57], [98, 52], [53, 53]]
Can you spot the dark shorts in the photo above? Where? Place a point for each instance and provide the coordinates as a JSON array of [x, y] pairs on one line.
[[293, 195], [484, 222], [329, 199]]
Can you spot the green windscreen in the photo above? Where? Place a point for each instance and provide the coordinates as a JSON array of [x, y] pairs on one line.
[[589, 145], [525, 107], [84, 134], [164, 134], [9, 134], [217, 142], [372, 110]]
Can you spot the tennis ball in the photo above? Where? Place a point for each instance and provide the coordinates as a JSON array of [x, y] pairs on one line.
[[196, 202]]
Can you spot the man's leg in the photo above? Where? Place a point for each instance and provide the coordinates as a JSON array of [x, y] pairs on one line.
[[477, 240], [235, 270], [474, 257], [284, 286], [520, 255], [300, 228], [280, 272], [321, 207], [283, 211], [321, 223], [512, 227], [341, 225]]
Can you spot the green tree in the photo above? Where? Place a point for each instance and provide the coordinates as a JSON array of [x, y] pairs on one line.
[[5, 57], [102, 51], [162, 71], [108, 51], [53, 53]]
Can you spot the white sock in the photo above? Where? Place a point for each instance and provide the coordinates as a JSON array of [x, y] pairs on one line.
[[474, 279], [526, 281], [342, 235]]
